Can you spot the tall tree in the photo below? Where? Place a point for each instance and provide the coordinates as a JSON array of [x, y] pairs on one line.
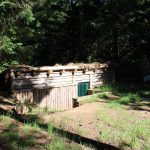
[[45, 32], [15, 32]]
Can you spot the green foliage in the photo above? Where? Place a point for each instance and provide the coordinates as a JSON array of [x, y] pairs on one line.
[[91, 99], [118, 95], [7, 45], [128, 98], [103, 96], [35, 32], [15, 32], [5, 64], [29, 136], [27, 14], [123, 89]]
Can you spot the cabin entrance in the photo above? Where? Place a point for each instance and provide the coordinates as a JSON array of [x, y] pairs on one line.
[[83, 89]]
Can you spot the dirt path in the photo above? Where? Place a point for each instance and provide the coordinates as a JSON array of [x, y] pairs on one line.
[[81, 120], [84, 120]]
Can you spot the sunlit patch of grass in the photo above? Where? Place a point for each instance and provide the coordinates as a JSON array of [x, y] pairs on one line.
[[26, 136], [45, 110], [120, 127], [105, 88], [146, 146], [114, 105], [5, 120], [16, 138], [90, 99], [129, 98], [125, 100], [59, 144], [94, 98], [103, 96], [126, 94], [116, 88], [50, 128], [26, 128], [35, 126], [119, 89]]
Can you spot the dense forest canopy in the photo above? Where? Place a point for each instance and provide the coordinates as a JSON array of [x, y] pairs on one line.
[[45, 32]]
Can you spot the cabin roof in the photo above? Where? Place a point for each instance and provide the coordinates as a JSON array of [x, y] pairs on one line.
[[70, 66]]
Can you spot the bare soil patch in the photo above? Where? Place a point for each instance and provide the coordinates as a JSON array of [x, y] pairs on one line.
[[84, 120]]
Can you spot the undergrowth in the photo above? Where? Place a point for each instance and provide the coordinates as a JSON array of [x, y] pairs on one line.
[[23, 136]]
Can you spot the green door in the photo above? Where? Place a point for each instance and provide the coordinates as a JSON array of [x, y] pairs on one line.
[[83, 88]]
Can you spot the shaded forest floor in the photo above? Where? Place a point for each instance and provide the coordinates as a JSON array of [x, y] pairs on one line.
[[15, 135]]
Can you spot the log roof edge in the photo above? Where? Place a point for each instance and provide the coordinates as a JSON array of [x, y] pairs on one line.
[[68, 67]]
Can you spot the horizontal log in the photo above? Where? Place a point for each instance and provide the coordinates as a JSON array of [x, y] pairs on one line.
[[15, 88], [41, 81], [99, 78], [44, 75], [58, 79], [19, 87], [56, 68], [49, 82], [66, 73], [55, 86], [50, 79], [45, 69], [97, 83], [43, 78], [97, 74], [22, 90]]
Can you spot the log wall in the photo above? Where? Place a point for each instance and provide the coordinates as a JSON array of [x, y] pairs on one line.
[[26, 81], [23, 95], [57, 89], [57, 98]]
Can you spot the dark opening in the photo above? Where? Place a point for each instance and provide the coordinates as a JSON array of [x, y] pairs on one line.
[[83, 88]]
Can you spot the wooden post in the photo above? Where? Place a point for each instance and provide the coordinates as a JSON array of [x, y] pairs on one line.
[[84, 71], [17, 74], [62, 71], [94, 70], [91, 80], [12, 73], [32, 73], [49, 72], [73, 79], [74, 71]]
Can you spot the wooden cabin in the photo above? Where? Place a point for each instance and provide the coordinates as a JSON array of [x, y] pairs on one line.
[[54, 87]]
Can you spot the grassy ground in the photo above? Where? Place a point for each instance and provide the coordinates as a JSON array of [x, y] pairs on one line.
[[25, 136], [125, 129], [118, 116], [116, 123], [122, 94]]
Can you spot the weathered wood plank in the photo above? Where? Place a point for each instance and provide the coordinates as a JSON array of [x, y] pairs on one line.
[[59, 98]]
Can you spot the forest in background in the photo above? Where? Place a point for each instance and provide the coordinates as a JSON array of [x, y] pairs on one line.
[[46, 32]]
